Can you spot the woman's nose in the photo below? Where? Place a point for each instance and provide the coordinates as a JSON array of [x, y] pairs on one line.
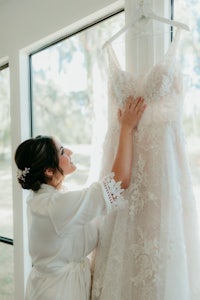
[[69, 152]]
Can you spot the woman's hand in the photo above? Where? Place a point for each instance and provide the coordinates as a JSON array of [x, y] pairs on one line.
[[132, 113]]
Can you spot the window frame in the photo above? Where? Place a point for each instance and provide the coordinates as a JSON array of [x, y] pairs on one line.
[[4, 239]]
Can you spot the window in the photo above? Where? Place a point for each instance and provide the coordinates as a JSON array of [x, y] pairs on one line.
[[69, 93], [6, 223], [69, 97], [187, 12]]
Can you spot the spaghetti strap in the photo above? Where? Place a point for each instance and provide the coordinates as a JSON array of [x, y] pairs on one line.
[[174, 44], [114, 64]]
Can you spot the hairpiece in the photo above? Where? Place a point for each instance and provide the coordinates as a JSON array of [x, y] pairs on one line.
[[21, 174]]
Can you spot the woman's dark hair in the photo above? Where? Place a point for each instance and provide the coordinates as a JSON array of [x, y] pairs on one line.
[[36, 155]]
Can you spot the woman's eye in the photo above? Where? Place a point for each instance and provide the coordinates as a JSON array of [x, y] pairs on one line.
[[62, 150]]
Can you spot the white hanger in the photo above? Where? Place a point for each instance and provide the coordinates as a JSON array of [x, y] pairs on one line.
[[145, 12]]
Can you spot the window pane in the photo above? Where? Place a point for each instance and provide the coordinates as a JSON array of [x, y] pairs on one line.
[[6, 213], [6, 271], [186, 11], [6, 223], [69, 94]]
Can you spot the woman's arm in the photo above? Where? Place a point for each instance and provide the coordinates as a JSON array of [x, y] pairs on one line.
[[129, 119], [68, 211]]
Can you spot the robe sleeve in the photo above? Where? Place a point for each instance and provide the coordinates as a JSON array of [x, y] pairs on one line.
[[71, 210]]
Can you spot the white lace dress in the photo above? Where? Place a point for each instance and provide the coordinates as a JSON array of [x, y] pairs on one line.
[[151, 249]]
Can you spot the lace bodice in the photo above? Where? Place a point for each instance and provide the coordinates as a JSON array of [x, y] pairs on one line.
[[148, 251], [161, 86]]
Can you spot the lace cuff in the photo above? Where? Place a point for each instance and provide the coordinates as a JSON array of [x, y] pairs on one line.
[[112, 193]]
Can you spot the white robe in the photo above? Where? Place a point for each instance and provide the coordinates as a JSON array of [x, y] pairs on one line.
[[61, 236]]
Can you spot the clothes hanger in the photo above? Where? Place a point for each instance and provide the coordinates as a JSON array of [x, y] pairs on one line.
[[145, 12]]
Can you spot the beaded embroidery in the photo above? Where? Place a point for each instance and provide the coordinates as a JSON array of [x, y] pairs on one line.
[[21, 174]]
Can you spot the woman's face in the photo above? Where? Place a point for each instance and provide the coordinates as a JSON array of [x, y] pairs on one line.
[[65, 162]]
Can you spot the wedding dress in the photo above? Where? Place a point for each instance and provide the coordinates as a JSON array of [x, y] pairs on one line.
[[151, 249]]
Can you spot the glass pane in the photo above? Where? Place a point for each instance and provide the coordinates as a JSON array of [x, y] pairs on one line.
[[6, 271], [69, 94], [186, 12], [6, 222]]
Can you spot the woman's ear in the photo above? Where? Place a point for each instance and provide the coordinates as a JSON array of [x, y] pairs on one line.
[[48, 172]]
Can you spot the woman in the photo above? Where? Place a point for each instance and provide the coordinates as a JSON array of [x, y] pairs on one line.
[[61, 232]]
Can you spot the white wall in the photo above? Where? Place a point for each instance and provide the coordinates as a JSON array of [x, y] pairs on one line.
[[25, 26], [23, 22]]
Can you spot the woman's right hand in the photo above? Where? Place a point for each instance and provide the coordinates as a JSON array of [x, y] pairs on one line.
[[130, 116]]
